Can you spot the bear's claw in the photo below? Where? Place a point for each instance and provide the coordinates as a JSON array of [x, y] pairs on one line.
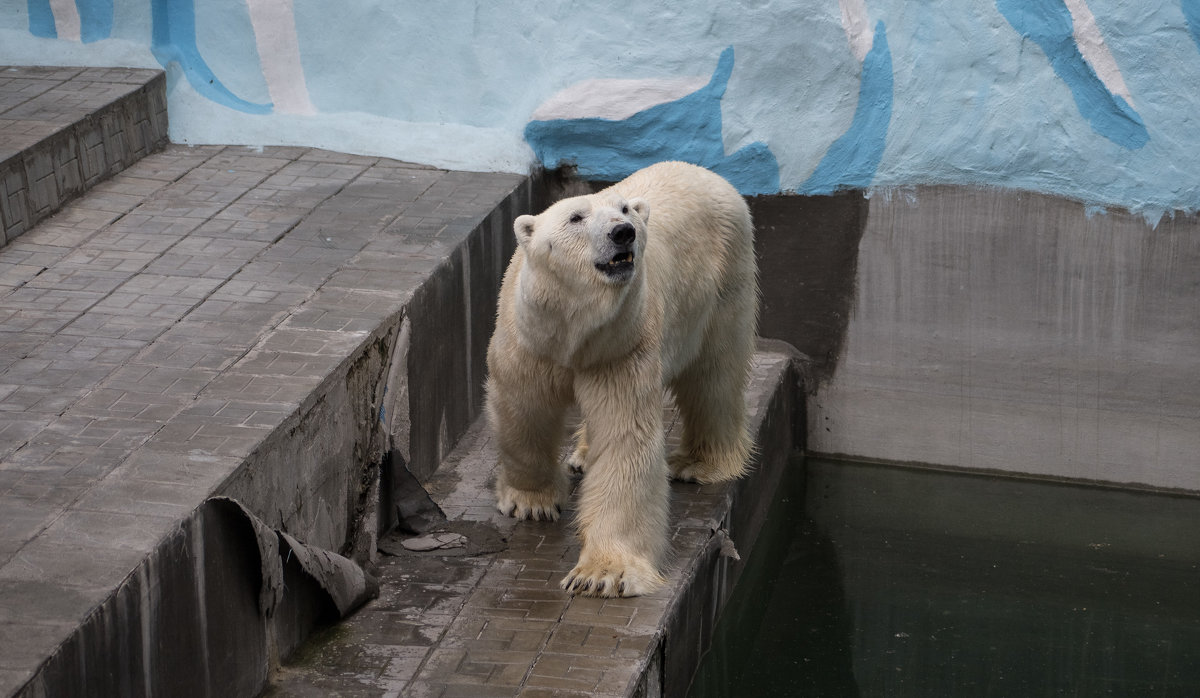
[[575, 465], [527, 513], [522, 504], [611, 581]]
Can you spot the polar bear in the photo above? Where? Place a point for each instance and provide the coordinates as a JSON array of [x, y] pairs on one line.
[[608, 298]]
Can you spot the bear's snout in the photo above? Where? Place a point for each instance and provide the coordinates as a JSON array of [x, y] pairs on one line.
[[622, 234], [615, 257]]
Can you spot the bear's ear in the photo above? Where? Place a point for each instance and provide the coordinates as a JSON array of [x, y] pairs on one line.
[[642, 207], [523, 227]]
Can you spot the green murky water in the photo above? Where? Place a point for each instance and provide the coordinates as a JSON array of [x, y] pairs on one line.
[[879, 581]]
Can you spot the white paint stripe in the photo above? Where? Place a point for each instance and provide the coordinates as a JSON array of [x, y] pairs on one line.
[[608, 98], [274, 25], [858, 27], [66, 19], [1095, 51]]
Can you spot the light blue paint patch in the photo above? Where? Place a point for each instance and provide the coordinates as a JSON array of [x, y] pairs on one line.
[[851, 162], [41, 19], [173, 39], [95, 19], [1191, 12], [1048, 23], [687, 129]]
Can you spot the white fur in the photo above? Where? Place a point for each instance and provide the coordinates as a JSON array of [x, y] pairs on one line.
[[684, 318]]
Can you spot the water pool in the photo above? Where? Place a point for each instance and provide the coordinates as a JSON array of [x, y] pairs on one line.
[[882, 581]]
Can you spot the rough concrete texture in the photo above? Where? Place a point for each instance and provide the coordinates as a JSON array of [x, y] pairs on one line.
[[807, 250], [216, 321], [489, 619], [1017, 332], [62, 130]]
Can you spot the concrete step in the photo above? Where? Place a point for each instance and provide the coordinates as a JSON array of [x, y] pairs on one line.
[[254, 324], [488, 618], [63, 130]]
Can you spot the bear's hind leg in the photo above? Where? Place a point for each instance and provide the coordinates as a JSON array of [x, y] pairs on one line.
[[710, 396], [715, 445], [530, 483]]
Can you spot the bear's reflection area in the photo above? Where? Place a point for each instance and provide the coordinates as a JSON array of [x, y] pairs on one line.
[[881, 581]]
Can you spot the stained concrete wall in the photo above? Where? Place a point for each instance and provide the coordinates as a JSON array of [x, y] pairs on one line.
[[991, 329]]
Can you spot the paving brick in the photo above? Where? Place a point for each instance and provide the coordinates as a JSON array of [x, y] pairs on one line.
[[30, 404], [65, 131], [119, 323], [145, 231], [171, 350], [119, 495], [227, 308], [251, 387], [97, 258], [23, 252]]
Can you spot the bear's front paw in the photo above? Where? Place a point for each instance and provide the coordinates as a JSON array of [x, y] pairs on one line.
[[538, 505], [610, 578]]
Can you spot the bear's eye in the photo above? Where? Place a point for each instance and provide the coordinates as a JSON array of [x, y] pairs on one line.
[[625, 209], [576, 218]]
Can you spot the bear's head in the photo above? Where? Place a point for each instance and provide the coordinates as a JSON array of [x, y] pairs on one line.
[[600, 237]]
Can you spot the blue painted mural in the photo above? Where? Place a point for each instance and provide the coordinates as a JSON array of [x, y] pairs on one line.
[[1191, 12], [688, 129], [1043, 95], [95, 19], [41, 19], [851, 161], [91, 20], [1049, 24], [173, 40]]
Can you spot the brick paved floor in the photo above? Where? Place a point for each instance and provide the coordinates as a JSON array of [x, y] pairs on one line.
[[186, 305], [496, 623], [62, 130]]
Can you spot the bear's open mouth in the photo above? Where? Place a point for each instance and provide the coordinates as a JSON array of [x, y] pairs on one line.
[[618, 265]]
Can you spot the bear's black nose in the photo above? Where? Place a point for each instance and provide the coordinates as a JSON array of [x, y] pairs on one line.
[[622, 234]]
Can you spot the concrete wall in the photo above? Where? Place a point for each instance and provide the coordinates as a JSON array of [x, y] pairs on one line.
[[989, 329]]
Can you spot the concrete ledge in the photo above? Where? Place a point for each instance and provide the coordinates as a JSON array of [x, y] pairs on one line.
[[63, 130], [488, 619], [246, 350]]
